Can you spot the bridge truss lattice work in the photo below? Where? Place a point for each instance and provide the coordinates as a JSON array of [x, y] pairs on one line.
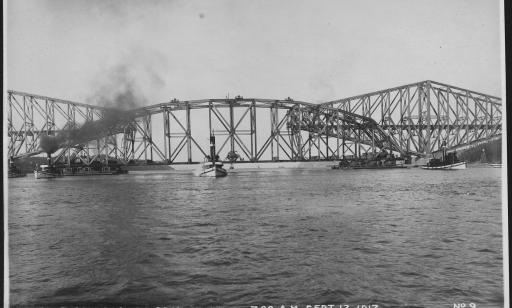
[[412, 119], [423, 115]]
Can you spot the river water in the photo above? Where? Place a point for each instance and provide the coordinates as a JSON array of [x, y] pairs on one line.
[[402, 237]]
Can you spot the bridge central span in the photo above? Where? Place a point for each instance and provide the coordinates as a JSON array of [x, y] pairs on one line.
[[411, 120]]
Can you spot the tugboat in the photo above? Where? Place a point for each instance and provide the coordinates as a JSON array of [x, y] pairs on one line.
[[47, 171], [212, 167], [449, 161]]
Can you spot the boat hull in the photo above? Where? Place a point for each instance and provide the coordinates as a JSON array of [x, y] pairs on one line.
[[214, 172], [378, 167], [44, 175], [93, 172], [457, 166], [60, 173], [369, 167]]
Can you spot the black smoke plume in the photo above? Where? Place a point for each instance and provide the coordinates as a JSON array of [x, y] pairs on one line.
[[49, 144], [119, 91]]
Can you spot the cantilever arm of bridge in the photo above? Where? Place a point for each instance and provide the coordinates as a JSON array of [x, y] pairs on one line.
[[411, 119]]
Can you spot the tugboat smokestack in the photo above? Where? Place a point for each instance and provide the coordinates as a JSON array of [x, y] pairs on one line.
[[212, 148]]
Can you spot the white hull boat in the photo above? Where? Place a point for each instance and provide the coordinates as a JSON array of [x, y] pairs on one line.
[[212, 167], [213, 171], [456, 166], [44, 175], [45, 172]]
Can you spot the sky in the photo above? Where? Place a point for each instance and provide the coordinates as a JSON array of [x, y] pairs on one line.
[[312, 51]]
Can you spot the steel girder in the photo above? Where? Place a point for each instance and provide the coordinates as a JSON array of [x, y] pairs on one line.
[[422, 115], [30, 117], [234, 121], [349, 133], [412, 119]]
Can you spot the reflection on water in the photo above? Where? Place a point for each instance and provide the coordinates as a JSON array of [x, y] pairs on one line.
[[287, 236]]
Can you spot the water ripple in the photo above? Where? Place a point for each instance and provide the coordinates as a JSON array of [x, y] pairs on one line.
[[397, 238]]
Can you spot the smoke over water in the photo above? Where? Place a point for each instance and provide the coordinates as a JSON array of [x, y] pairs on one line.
[[120, 91]]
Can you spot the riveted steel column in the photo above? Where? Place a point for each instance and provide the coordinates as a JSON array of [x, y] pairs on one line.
[[299, 141], [167, 135], [231, 126], [343, 141], [400, 120], [448, 122], [466, 102], [429, 132], [338, 134], [254, 147], [476, 122], [326, 132], [421, 141], [272, 132], [189, 135]]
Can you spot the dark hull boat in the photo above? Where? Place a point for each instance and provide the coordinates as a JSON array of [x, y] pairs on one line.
[[52, 171], [449, 161], [381, 160]]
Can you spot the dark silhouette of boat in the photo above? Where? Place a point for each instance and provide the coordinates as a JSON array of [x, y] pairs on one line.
[[382, 160], [449, 161]]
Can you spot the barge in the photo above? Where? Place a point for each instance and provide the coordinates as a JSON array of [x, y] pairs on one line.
[[47, 171], [50, 170], [382, 160]]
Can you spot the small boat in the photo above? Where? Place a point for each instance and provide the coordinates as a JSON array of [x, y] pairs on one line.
[[46, 172], [495, 165], [456, 166], [212, 167], [449, 161]]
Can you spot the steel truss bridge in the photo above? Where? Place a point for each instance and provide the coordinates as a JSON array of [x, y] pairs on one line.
[[412, 119]]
